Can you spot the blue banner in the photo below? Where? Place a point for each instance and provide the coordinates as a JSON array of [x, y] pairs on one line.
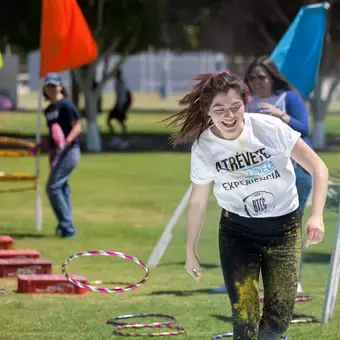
[[298, 53]]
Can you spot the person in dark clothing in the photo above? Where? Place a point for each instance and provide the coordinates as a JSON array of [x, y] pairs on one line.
[[122, 106], [64, 125]]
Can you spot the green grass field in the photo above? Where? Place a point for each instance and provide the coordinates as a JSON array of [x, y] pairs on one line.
[[122, 202], [25, 123]]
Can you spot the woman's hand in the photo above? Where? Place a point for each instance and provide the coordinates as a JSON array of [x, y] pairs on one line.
[[270, 109], [59, 150], [311, 162], [192, 265], [315, 230]]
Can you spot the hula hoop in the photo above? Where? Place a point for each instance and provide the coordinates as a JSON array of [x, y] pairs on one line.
[[104, 289], [119, 326], [224, 335], [299, 298], [115, 319], [14, 153], [303, 318], [101, 282], [4, 177], [18, 190], [230, 335], [16, 142], [302, 298]]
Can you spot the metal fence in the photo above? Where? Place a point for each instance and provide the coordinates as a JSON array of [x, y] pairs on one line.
[[151, 71], [161, 71]]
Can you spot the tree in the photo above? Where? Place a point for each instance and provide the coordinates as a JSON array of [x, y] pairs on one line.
[[20, 26], [329, 66], [257, 26], [130, 26], [123, 27], [329, 71]]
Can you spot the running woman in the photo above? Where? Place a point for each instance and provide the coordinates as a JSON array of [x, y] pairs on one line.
[[248, 157]]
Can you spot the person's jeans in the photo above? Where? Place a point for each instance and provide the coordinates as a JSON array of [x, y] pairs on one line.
[[304, 187], [270, 245], [58, 189]]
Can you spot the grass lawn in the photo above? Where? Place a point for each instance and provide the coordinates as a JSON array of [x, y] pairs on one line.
[[25, 123], [122, 202], [140, 101]]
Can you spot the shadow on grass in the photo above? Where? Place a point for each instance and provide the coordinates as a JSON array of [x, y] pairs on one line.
[[155, 142], [315, 257], [182, 263], [138, 142], [222, 318], [183, 292], [19, 235]]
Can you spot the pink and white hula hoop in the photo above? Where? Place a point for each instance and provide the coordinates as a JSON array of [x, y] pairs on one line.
[[105, 253]]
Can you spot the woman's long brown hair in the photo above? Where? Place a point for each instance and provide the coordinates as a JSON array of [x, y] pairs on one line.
[[280, 83], [194, 119]]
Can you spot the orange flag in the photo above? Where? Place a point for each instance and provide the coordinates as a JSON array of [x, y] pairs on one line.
[[66, 41]]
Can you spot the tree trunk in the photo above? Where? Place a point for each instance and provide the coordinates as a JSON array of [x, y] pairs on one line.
[[84, 77], [93, 138], [75, 90], [318, 111], [318, 134]]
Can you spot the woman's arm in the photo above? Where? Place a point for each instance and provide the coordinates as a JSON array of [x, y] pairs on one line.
[[196, 211], [297, 115], [75, 132], [75, 120], [201, 175], [197, 207], [311, 162], [58, 135]]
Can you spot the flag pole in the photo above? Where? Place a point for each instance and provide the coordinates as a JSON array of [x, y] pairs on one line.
[[38, 199], [167, 235]]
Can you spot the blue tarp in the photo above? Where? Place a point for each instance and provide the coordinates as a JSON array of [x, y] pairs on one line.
[[298, 53]]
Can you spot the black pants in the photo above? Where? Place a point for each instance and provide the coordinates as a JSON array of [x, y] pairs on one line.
[[272, 245]]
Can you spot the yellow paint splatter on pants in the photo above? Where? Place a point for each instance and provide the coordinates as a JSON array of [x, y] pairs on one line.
[[247, 308]]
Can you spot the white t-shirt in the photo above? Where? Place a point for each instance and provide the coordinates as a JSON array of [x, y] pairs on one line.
[[253, 174], [278, 100]]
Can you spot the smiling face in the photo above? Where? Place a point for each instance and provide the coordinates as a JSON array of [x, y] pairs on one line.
[[260, 82], [227, 113]]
